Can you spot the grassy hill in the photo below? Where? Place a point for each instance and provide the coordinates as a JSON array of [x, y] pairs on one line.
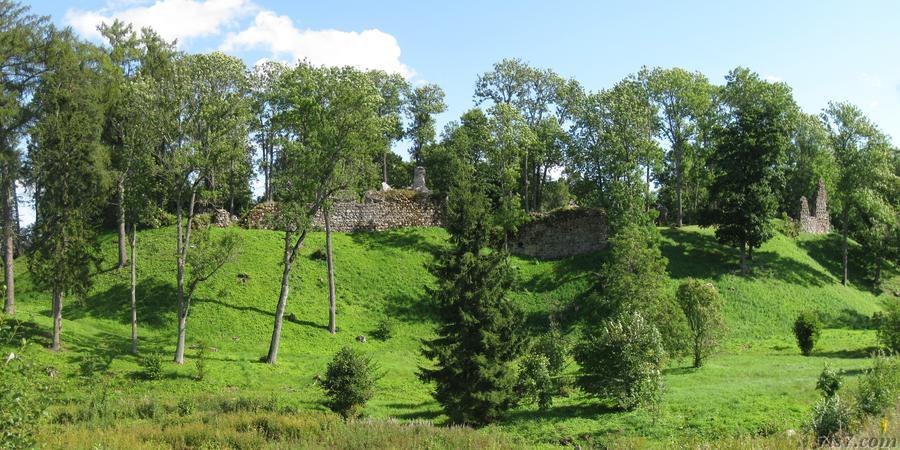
[[758, 385]]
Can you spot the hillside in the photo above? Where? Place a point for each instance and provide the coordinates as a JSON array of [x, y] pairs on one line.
[[758, 385]]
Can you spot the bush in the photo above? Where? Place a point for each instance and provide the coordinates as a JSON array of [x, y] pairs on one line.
[[622, 361], [93, 365], [152, 366], [831, 419], [201, 361], [535, 382], [702, 308], [23, 399], [787, 226], [555, 347], [384, 330], [889, 325], [829, 382], [349, 382], [879, 387], [806, 329]]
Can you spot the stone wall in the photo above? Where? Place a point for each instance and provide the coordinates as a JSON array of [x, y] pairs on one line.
[[378, 211], [818, 222], [562, 233]]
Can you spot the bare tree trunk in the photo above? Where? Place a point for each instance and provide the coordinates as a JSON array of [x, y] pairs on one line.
[[698, 359], [9, 241], [679, 179], [57, 318], [120, 211], [844, 231], [132, 242], [184, 240], [272, 358], [332, 301], [384, 167], [745, 268]]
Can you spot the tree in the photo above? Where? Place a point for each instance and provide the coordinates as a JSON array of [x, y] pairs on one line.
[[394, 91], [67, 171], [349, 381], [633, 277], [809, 159], [702, 307], [329, 261], [621, 360], [863, 155], [24, 38], [262, 87], [330, 125], [510, 137], [204, 100], [421, 106], [752, 140], [479, 334], [681, 98]]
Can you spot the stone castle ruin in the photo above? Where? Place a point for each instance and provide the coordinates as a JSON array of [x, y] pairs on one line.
[[818, 222]]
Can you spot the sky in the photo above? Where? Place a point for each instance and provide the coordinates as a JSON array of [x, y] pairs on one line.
[[825, 50]]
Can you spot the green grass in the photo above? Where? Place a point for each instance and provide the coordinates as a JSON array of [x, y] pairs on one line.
[[758, 385]]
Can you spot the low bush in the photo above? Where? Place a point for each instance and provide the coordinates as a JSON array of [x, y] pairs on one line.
[[879, 387], [349, 382], [889, 325], [831, 419], [151, 365], [806, 329], [535, 383], [384, 329], [829, 382]]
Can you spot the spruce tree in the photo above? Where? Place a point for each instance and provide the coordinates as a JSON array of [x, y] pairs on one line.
[[479, 336]]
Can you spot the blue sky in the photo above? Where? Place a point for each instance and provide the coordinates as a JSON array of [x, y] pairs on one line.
[[825, 50]]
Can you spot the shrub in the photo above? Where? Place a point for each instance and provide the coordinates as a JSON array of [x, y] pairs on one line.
[[23, 401], [535, 382], [831, 418], [349, 382], [829, 382], [889, 325], [879, 387], [185, 406], [384, 330], [787, 226], [152, 366], [201, 361], [622, 361], [92, 365], [806, 329], [702, 307], [554, 346]]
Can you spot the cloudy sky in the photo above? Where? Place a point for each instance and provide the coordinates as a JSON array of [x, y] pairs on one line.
[[826, 50]]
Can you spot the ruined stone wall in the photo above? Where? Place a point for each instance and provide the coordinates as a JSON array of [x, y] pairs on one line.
[[817, 222], [378, 211], [562, 233]]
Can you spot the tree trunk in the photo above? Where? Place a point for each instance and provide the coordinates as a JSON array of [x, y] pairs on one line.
[[9, 241], [844, 230], [698, 359], [120, 217], [745, 268], [184, 241], [132, 242], [272, 358], [384, 167], [679, 177], [332, 301], [57, 318]]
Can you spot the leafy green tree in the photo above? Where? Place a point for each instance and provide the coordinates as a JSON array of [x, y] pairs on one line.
[[68, 172], [24, 38], [479, 335], [752, 140], [807, 328], [703, 308], [331, 127], [682, 99], [877, 229], [349, 381], [510, 136], [421, 106], [863, 155], [889, 325], [633, 277], [203, 100], [263, 80], [621, 360], [809, 159], [394, 91], [464, 145]]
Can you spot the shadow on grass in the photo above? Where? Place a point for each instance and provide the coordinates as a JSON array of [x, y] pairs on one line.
[[430, 414], [859, 353], [398, 239], [409, 308], [584, 410], [826, 250], [156, 299]]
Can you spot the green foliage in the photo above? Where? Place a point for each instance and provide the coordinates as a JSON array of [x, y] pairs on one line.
[[350, 381], [702, 307], [423, 104], [621, 360], [787, 226], [554, 346], [889, 325], [829, 382], [202, 349], [633, 277], [830, 418], [879, 387], [535, 381], [152, 366], [384, 329], [807, 328], [92, 366]]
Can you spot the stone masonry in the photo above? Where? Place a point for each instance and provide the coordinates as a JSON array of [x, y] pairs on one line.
[[818, 222], [562, 233]]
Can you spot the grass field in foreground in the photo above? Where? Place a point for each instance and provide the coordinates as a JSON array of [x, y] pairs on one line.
[[757, 385]]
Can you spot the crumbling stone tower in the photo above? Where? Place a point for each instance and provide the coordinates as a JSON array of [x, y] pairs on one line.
[[818, 222]]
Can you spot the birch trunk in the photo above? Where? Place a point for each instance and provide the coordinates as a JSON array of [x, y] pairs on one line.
[[332, 301], [132, 242], [9, 242], [57, 318], [120, 219], [272, 358]]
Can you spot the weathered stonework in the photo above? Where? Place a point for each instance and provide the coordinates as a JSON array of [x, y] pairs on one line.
[[818, 222], [398, 208], [562, 233]]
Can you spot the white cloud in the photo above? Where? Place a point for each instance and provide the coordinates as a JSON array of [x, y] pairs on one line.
[[773, 78], [369, 49], [871, 81], [173, 19]]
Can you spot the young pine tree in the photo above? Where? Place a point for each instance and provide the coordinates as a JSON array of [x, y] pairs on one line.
[[479, 337]]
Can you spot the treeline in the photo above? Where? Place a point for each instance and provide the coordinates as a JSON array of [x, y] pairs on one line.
[[136, 133]]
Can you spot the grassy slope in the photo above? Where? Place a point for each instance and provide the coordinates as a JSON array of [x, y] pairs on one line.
[[757, 385]]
